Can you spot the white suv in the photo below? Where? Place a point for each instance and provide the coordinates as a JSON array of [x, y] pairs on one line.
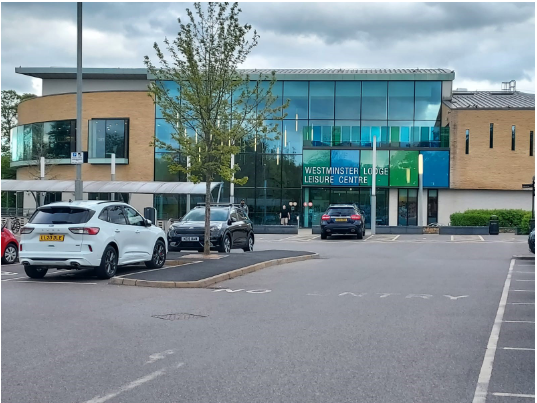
[[89, 234]]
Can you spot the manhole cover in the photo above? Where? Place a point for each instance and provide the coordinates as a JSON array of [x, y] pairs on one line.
[[178, 316]]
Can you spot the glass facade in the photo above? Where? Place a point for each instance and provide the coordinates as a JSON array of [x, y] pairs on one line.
[[322, 151], [108, 136], [52, 140]]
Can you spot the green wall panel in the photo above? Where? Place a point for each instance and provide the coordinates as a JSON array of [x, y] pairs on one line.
[[366, 165], [404, 168], [315, 162]]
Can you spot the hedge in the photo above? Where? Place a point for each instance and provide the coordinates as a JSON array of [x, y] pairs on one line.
[[508, 218]]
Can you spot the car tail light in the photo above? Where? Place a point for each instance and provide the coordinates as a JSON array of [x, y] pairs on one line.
[[85, 230], [325, 217], [20, 247], [356, 217], [26, 230], [90, 248]]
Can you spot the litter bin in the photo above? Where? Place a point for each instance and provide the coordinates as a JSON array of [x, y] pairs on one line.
[[494, 225]]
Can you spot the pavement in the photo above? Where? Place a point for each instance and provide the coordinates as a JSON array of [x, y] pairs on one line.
[[369, 321]]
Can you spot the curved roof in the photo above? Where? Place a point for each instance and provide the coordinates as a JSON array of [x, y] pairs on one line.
[[107, 186]]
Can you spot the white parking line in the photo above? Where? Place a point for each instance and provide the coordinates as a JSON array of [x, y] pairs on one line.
[[397, 236], [523, 290], [480, 237], [525, 272], [518, 321], [519, 348], [521, 303], [52, 282], [513, 395], [524, 280], [480, 395], [16, 278]]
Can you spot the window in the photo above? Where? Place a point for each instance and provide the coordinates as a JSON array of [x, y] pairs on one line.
[[374, 100], [104, 215], [234, 215], [432, 206], [198, 214], [467, 141], [108, 136], [242, 215], [348, 95], [61, 215], [116, 215], [491, 135], [173, 90], [297, 93], [513, 138], [133, 218], [531, 144], [164, 132], [294, 133], [401, 100], [268, 171], [124, 197], [322, 100], [407, 207], [428, 100]]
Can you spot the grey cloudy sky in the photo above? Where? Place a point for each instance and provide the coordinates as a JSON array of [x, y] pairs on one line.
[[485, 43]]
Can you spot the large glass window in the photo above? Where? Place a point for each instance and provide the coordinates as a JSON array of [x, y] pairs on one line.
[[401, 100], [321, 132], [400, 133], [297, 93], [246, 161], [162, 167], [268, 171], [60, 137], [374, 100], [292, 171], [294, 134], [428, 100], [426, 134], [164, 132], [268, 204], [270, 143], [173, 91], [108, 136], [348, 95], [322, 100], [374, 128], [346, 133], [277, 90], [407, 207], [432, 206]]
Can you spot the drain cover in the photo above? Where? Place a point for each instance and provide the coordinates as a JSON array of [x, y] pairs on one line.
[[178, 316]]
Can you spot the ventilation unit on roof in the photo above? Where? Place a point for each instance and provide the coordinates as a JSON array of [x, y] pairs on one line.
[[509, 86]]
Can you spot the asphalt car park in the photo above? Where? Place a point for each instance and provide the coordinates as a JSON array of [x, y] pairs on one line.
[[370, 321]]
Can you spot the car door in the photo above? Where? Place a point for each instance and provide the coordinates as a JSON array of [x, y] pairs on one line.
[[118, 222], [235, 228], [243, 220], [141, 239]]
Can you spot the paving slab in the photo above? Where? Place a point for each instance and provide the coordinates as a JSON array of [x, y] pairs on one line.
[[204, 269]]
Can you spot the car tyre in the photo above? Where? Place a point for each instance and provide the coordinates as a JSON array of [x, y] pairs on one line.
[[250, 246], [10, 254], [35, 271], [360, 234], [225, 245], [108, 266], [159, 256], [323, 235]]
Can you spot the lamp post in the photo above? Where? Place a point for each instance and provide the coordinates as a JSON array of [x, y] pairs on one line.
[[78, 180], [374, 189], [420, 191]]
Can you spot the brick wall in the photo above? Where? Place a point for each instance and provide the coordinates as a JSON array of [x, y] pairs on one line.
[[135, 105], [485, 167]]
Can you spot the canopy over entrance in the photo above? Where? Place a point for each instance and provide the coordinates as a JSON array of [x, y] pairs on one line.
[[109, 187]]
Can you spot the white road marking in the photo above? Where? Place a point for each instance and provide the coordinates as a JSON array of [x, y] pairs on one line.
[[315, 295], [519, 348], [369, 237], [513, 395], [353, 294], [452, 237], [525, 272], [53, 282], [455, 298], [16, 278], [525, 280], [518, 321], [523, 290], [521, 303], [424, 296], [228, 290], [258, 291], [129, 386], [159, 356], [162, 268], [8, 273], [397, 236], [480, 395], [480, 237], [386, 294]]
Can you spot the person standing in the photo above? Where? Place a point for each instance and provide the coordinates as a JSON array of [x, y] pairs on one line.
[[244, 207], [284, 215]]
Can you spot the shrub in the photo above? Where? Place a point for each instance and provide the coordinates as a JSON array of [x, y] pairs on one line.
[[525, 224], [507, 218]]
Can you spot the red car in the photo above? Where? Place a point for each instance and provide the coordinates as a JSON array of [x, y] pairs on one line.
[[10, 247]]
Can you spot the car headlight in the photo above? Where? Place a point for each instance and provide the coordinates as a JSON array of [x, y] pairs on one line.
[[216, 227]]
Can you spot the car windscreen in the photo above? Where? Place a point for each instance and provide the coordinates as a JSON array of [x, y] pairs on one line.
[[340, 211], [61, 215], [199, 215]]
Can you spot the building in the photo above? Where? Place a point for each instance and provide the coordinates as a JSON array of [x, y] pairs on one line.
[[324, 151]]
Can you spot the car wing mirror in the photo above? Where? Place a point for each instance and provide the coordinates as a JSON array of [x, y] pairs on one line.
[[148, 223]]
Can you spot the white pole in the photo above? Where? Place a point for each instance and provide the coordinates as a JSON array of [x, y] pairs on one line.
[[113, 171], [79, 188], [232, 185], [374, 189], [188, 180], [420, 191], [42, 177]]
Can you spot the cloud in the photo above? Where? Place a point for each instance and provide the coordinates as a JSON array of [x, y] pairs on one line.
[[485, 43]]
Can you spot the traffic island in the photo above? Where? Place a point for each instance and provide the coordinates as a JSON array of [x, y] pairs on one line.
[[192, 273]]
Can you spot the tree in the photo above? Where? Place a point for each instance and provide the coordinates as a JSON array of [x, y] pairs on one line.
[[205, 57], [10, 102]]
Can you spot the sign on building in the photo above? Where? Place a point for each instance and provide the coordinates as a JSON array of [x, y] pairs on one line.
[[77, 158]]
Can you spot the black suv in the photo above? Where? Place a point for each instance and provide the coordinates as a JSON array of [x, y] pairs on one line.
[[342, 219], [230, 229]]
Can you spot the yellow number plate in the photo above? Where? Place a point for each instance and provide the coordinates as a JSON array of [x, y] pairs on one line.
[[51, 238], [341, 219]]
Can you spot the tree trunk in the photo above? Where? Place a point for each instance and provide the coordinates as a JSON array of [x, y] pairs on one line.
[[207, 237]]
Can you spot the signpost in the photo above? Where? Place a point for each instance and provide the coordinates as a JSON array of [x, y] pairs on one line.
[[77, 158]]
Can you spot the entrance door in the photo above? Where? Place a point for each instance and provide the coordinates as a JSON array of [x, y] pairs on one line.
[[407, 207]]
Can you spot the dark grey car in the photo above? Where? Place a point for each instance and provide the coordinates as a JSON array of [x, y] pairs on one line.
[[343, 219]]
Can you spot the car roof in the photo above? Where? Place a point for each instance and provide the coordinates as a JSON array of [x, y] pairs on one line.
[[343, 205], [84, 203]]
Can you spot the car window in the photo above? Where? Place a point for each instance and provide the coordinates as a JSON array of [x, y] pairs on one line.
[[340, 211], [133, 217], [234, 215], [104, 215], [61, 215], [116, 215], [198, 214]]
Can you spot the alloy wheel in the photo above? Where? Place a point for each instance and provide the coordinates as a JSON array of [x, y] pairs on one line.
[[158, 255], [227, 245], [110, 262], [251, 244], [10, 254]]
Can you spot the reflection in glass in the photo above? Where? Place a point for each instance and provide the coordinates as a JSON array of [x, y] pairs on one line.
[[173, 91], [267, 206], [432, 206], [108, 136], [400, 133], [346, 133], [268, 171], [270, 143], [321, 132], [374, 100], [246, 162], [164, 132], [401, 100], [277, 90], [374, 128], [291, 171], [428, 100], [60, 138], [321, 100], [293, 134], [348, 95], [297, 93]]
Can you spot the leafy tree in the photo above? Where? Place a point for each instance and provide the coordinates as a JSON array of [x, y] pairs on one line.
[[205, 57]]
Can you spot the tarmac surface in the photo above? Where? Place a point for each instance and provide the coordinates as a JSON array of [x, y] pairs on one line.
[[390, 321]]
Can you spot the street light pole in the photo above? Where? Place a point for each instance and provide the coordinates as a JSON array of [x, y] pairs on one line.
[[42, 177], [420, 191], [113, 171], [374, 189], [78, 180]]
